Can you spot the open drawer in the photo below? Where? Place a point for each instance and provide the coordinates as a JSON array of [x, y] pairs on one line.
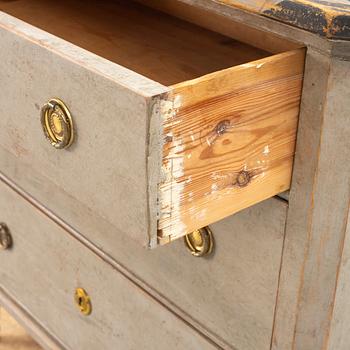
[[174, 126]]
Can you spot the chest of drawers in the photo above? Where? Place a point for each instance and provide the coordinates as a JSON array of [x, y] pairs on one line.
[[163, 118]]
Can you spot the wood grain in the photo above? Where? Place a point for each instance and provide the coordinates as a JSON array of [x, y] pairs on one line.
[[158, 46], [229, 141], [195, 12]]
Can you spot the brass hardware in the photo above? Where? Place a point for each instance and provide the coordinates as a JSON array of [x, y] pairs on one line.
[[5, 237], [83, 302], [57, 123], [200, 242]]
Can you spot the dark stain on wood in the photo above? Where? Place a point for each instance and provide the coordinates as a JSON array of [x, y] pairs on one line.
[[243, 178], [300, 15], [340, 28], [168, 139], [332, 21], [222, 126]]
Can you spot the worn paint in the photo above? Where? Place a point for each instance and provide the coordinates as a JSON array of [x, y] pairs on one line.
[[301, 15], [325, 18], [171, 188]]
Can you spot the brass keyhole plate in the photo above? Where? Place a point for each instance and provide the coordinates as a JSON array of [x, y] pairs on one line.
[[200, 242], [57, 123], [5, 237], [82, 301]]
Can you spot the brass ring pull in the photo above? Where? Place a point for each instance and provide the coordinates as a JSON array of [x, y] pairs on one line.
[[200, 242], [57, 123], [5, 237], [83, 302]]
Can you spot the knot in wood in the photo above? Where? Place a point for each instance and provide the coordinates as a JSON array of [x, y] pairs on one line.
[[243, 178], [222, 126]]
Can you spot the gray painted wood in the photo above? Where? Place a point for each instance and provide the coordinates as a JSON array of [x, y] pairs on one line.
[[232, 294], [318, 208], [339, 335], [112, 108], [44, 267], [338, 109], [229, 296]]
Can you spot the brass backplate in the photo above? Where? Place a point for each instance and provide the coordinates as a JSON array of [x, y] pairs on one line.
[[57, 123], [200, 242]]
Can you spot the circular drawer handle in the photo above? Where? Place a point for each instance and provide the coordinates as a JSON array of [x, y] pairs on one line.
[[200, 242], [83, 302], [57, 123], [5, 237]]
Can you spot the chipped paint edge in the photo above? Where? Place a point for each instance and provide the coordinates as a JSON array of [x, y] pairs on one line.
[[170, 189]]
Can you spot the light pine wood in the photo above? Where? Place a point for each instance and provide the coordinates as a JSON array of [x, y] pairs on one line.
[[195, 12], [229, 141], [51, 264], [149, 42]]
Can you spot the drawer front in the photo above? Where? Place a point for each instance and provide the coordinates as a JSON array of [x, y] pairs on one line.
[[110, 106], [44, 267]]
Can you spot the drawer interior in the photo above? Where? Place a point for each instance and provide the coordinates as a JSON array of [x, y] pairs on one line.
[[161, 47]]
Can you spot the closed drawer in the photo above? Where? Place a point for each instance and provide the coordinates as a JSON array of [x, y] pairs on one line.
[[175, 126], [45, 265], [230, 295]]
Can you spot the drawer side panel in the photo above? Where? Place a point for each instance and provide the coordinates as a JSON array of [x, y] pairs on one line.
[[229, 141]]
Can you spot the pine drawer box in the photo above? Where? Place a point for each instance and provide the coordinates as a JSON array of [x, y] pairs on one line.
[[164, 126]]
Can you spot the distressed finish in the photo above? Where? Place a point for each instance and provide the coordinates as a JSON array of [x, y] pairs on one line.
[[326, 18], [115, 168], [123, 316], [230, 141]]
